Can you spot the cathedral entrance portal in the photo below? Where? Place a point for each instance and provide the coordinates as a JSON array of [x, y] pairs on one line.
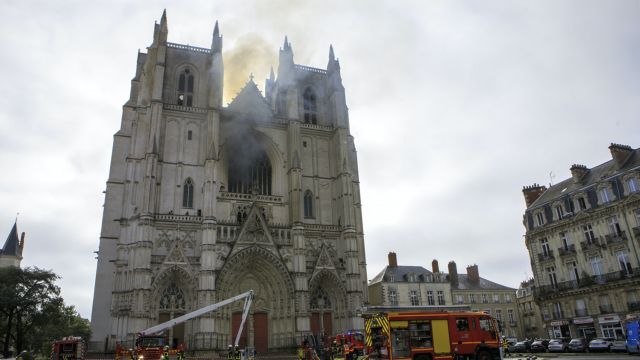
[[271, 321]]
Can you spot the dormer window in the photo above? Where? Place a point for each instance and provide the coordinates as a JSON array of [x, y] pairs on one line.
[[310, 106], [581, 203], [558, 211], [604, 195], [631, 184], [185, 88], [539, 219]]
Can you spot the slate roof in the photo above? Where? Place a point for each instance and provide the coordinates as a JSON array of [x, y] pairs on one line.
[[465, 284], [399, 272], [463, 281], [12, 244], [593, 176]]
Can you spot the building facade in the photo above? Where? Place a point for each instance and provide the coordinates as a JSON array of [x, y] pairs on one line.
[[204, 202], [481, 294], [405, 286], [11, 252], [530, 324], [583, 237]]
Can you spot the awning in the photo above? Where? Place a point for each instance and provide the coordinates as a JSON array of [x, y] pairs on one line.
[[609, 319], [584, 320]]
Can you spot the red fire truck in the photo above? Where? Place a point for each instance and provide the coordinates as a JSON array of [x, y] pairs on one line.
[[69, 348], [431, 334], [351, 343], [151, 344]]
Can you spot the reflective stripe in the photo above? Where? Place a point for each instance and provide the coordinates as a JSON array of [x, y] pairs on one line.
[[380, 321]]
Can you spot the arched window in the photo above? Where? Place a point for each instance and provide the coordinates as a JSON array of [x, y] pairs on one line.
[[172, 298], [249, 169], [187, 194], [308, 204], [185, 88], [310, 106]]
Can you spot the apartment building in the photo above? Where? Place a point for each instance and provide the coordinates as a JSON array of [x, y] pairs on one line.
[[583, 237]]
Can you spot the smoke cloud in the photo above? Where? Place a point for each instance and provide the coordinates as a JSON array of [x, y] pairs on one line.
[[250, 54]]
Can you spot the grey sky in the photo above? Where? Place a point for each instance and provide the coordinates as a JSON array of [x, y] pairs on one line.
[[454, 107]]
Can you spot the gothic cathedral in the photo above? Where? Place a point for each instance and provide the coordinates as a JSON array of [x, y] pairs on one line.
[[204, 202]]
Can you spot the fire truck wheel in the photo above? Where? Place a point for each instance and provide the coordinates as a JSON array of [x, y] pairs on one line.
[[483, 355]]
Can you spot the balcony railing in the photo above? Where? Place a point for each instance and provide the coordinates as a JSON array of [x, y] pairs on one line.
[[616, 238], [606, 309], [634, 305], [593, 244], [548, 255], [612, 277], [569, 250], [581, 312]]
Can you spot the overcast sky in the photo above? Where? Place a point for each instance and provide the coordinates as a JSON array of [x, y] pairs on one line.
[[454, 107]]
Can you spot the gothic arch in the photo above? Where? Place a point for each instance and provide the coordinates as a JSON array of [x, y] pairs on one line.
[[267, 144], [173, 274], [258, 269], [327, 285]]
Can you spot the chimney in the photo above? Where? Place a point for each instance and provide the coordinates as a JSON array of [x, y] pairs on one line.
[[578, 172], [434, 266], [532, 193], [453, 273], [393, 260], [472, 274], [620, 153]]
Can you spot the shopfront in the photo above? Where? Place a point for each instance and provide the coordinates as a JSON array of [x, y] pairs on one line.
[[584, 328], [610, 326], [559, 329]]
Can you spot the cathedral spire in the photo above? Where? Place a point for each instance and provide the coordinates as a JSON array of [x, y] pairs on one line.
[[332, 57], [287, 44], [164, 29], [216, 41]]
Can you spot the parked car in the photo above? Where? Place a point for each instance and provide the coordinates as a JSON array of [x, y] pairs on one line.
[[619, 345], [520, 347], [539, 346], [558, 345], [600, 344], [578, 345]]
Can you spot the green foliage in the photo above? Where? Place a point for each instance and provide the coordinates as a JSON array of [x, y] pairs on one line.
[[32, 313]]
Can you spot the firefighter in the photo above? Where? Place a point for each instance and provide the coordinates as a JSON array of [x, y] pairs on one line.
[[236, 352], [165, 353], [505, 346], [180, 354], [230, 355], [132, 354]]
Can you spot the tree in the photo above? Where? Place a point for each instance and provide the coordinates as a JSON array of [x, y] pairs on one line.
[[23, 293], [53, 322]]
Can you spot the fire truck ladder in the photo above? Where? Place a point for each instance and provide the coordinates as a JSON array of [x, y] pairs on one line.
[[247, 296]]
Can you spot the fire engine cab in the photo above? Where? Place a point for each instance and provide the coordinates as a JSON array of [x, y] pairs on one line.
[[431, 334]]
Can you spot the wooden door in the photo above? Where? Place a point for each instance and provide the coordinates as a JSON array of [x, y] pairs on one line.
[[315, 323], [261, 332], [327, 323], [236, 318]]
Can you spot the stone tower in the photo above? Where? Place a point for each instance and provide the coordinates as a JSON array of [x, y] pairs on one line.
[[204, 202]]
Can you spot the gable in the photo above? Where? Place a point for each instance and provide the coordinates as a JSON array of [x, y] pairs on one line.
[[249, 103]]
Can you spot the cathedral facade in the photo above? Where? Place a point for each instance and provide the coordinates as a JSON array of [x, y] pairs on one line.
[[206, 201]]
